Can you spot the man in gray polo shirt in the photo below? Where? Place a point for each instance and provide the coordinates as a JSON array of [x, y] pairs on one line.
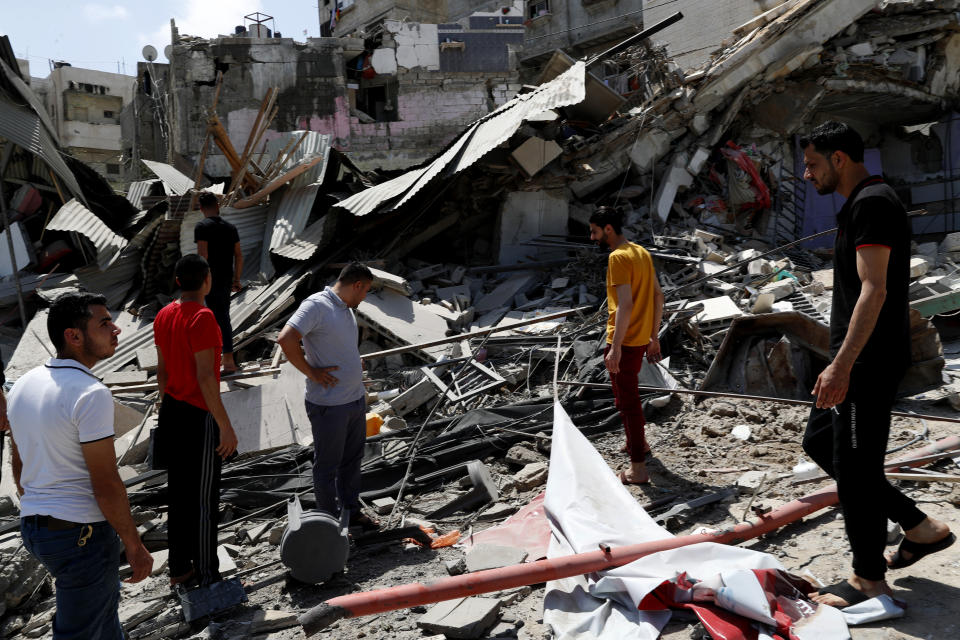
[[336, 404]]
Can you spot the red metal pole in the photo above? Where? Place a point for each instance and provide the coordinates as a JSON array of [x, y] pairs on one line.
[[471, 584]]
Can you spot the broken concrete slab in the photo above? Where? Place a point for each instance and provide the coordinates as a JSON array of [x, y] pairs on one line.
[[227, 566], [266, 621], [414, 397], [134, 612], [383, 505], [717, 311], [461, 618], [493, 556], [535, 154], [504, 293], [271, 414], [522, 454], [780, 289], [124, 378], [531, 476], [386, 279], [404, 320], [147, 359]]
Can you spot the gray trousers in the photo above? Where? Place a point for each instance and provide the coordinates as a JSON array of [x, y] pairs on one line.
[[339, 433]]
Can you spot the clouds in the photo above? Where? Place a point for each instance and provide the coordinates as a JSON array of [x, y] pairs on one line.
[[203, 18], [100, 12]]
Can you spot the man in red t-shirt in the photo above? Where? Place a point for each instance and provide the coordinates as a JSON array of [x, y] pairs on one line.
[[192, 416]]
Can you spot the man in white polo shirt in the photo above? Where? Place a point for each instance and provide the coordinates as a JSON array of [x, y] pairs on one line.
[[74, 511]]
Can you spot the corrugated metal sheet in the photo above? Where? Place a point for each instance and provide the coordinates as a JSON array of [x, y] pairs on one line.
[[32, 99], [367, 201], [305, 245], [114, 282], [73, 216], [139, 189], [24, 128], [178, 183], [293, 211], [315, 144], [483, 136]]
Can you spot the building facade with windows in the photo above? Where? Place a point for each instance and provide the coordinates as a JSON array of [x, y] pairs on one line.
[[85, 105]]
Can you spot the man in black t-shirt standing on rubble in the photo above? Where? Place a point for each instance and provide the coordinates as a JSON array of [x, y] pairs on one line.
[[870, 343], [219, 243]]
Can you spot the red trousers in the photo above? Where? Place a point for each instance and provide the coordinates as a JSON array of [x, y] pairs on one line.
[[626, 395]]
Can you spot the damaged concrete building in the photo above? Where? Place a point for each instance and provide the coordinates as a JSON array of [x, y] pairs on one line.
[[390, 98]]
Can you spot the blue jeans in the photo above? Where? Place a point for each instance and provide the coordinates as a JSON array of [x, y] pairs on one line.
[[87, 578], [338, 436]]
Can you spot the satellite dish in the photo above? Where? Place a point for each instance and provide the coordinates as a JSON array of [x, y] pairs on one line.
[[149, 53], [167, 50]]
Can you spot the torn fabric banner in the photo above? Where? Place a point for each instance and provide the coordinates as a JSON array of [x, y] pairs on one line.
[[737, 593]]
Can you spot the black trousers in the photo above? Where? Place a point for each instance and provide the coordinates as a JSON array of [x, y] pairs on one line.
[[218, 301], [850, 446], [193, 486]]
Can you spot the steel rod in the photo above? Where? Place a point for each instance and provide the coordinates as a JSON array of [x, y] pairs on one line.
[[471, 584]]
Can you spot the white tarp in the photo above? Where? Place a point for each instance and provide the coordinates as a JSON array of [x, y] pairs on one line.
[[588, 506]]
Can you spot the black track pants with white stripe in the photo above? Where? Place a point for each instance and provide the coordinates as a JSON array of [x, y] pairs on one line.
[[193, 488]]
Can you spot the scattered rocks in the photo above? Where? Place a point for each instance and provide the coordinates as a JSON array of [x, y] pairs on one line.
[[724, 409], [531, 476], [522, 454]]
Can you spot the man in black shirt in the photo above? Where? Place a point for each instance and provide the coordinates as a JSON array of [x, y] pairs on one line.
[[870, 343], [218, 241]]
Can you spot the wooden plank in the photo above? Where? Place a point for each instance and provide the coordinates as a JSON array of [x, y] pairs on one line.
[[275, 184]]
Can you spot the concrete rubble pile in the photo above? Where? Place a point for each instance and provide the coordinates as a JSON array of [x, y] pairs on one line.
[[485, 283]]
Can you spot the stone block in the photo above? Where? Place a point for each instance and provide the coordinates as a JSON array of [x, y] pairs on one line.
[[780, 289], [531, 476], [461, 618], [384, 505], [493, 556], [919, 266], [521, 454], [227, 566]]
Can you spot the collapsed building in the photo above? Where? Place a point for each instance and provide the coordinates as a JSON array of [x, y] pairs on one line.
[[486, 286]]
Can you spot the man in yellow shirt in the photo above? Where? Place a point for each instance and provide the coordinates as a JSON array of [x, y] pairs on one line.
[[635, 307]]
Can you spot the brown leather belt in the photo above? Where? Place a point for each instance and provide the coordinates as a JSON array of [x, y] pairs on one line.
[[53, 524]]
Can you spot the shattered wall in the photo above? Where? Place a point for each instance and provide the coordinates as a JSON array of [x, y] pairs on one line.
[[704, 28], [431, 91], [577, 27]]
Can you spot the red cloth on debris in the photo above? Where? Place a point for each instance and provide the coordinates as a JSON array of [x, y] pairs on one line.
[[786, 596], [741, 159]]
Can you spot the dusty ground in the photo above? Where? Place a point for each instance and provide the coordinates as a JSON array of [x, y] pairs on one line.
[[693, 449]]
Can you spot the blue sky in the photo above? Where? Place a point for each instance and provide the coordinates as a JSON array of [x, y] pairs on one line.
[[98, 35]]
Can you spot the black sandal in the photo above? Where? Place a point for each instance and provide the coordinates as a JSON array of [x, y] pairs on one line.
[[919, 550], [847, 591]]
